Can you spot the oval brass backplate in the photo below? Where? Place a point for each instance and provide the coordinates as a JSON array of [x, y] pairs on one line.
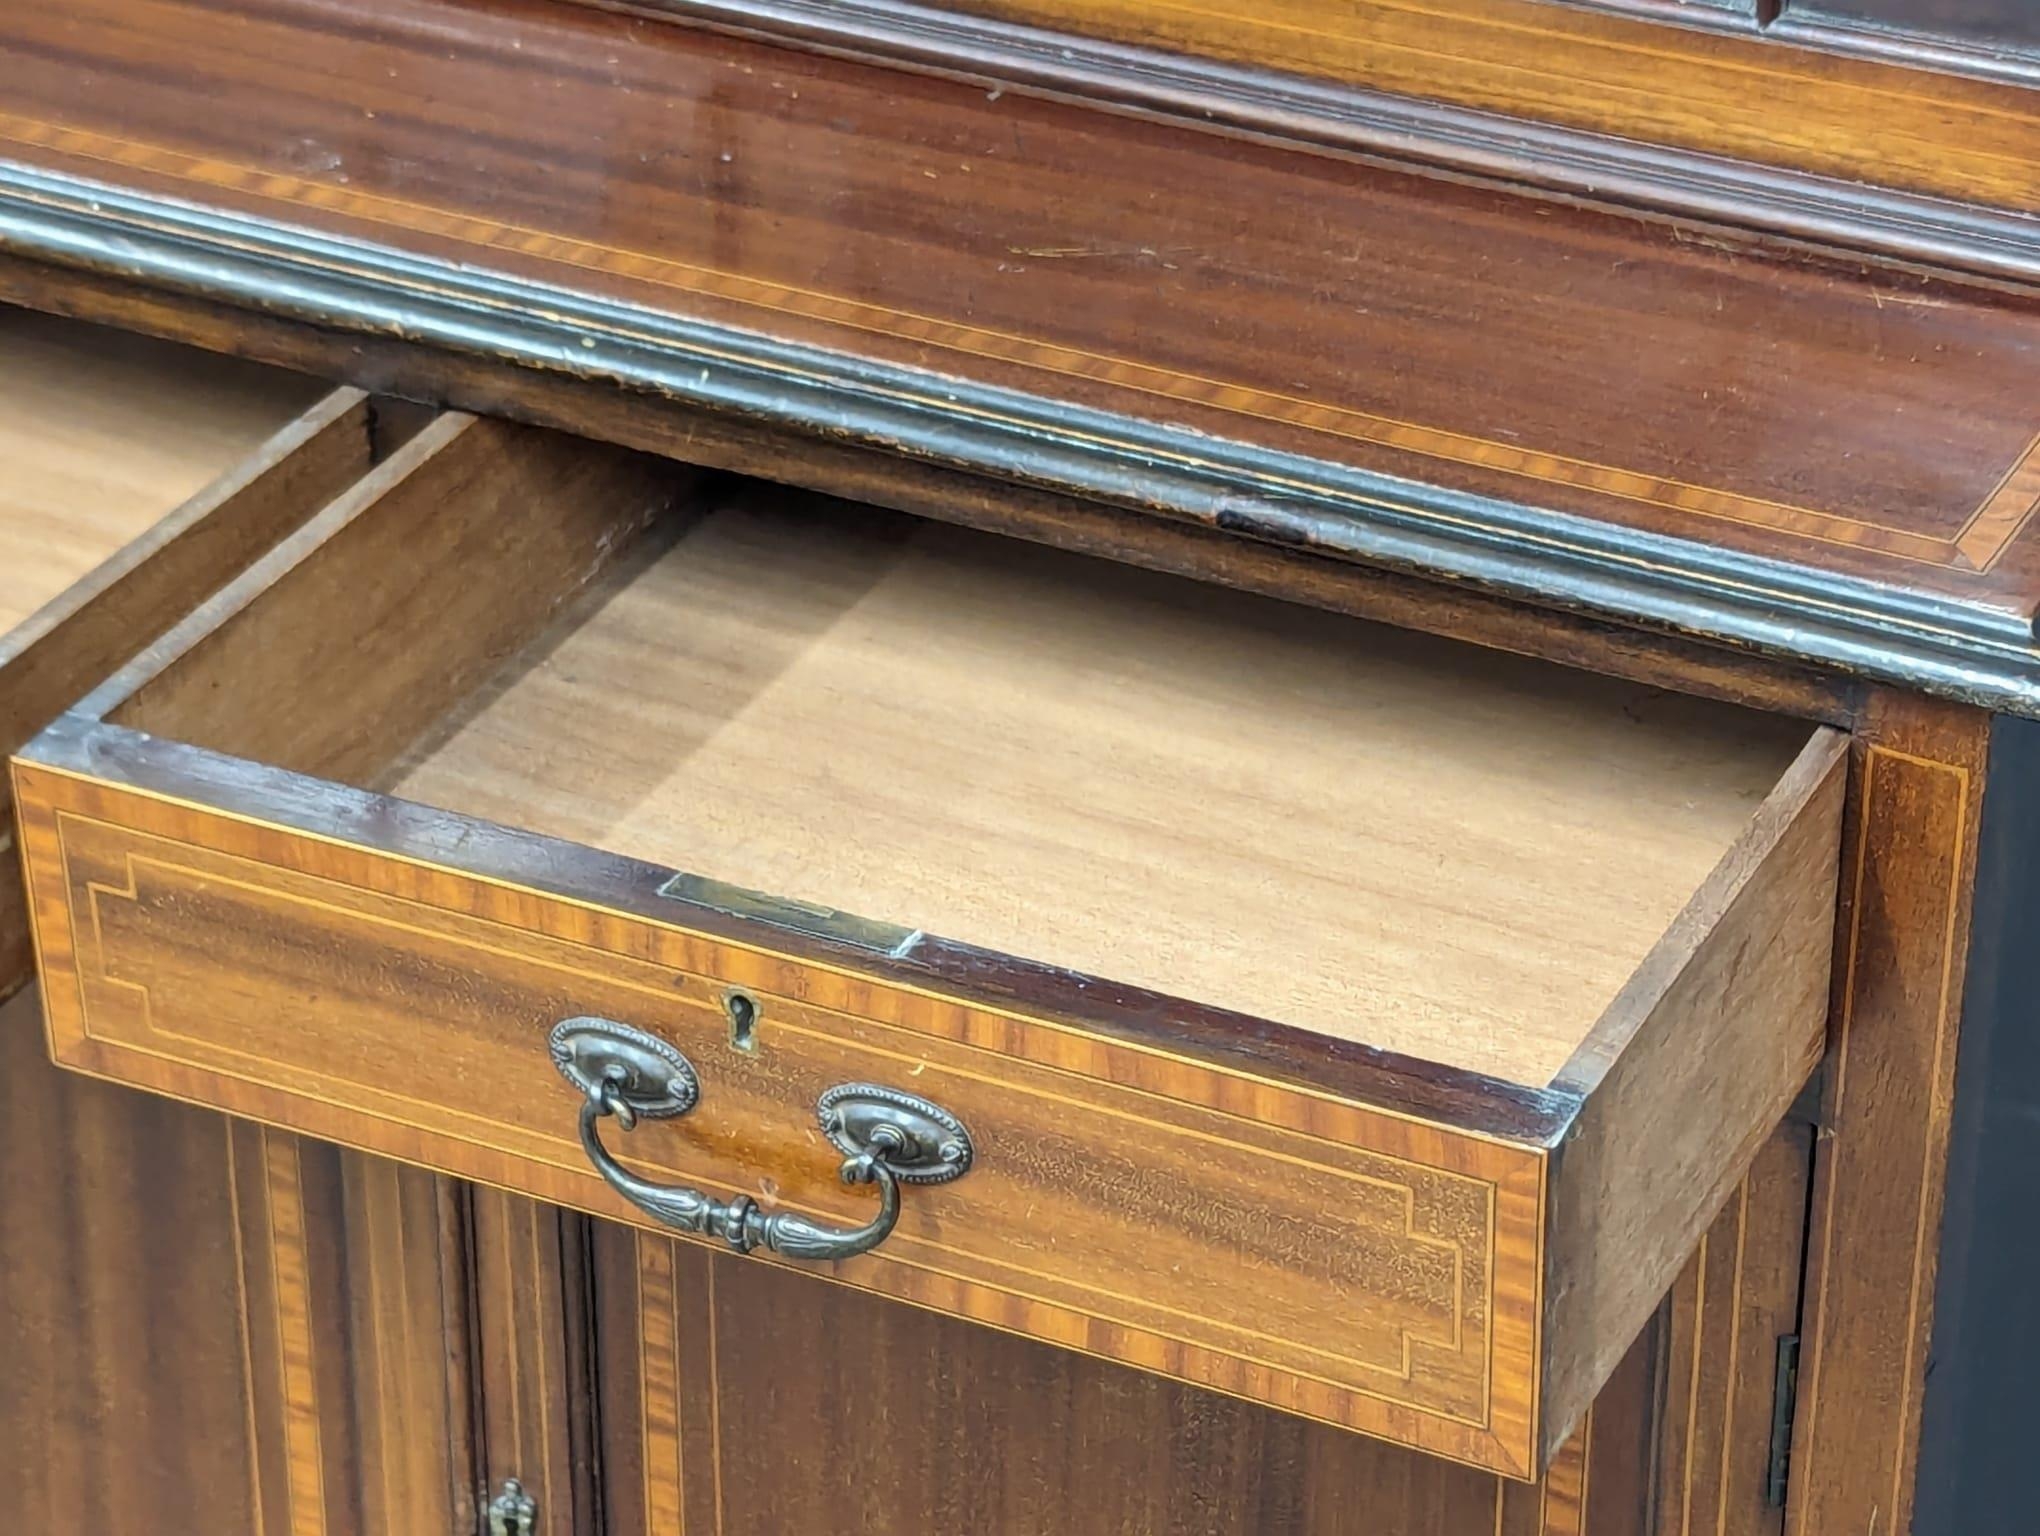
[[937, 1147], [652, 1077]]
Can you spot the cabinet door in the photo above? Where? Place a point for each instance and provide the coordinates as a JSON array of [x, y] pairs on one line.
[[741, 1399], [214, 1325], [532, 1318], [1724, 1331]]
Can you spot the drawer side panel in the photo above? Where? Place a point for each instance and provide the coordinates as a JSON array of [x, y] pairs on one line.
[[1721, 1029]]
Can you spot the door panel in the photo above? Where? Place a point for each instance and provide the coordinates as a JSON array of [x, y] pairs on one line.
[[216, 1324], [739, 1399], [1723, 1324], [743, 1400], [531, 1319]]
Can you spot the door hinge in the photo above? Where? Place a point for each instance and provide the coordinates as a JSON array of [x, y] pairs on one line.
[[1784, 1406], [513, 1512]]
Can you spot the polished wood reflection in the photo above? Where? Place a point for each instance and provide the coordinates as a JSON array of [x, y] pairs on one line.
[[1861, 422]]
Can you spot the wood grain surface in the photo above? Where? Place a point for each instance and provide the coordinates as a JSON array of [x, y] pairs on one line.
[[877, 477], [1736, 1024], [104, 434], [208, 1317], [1881, 1160], [533, 1317], [735, 1405], [105, 1190], [353, 1459], [1125, 1198], [384, 610], [87, 631], [1279, 813], [199, 1319], [1867, 422], [1736, 1300], [97, 557]]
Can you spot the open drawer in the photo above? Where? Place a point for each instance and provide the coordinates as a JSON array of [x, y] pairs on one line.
[[1364, 1024], [136, 477]]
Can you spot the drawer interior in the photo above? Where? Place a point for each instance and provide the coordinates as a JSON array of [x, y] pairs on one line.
[[103, 433], [1288, 814], [1380, 837]]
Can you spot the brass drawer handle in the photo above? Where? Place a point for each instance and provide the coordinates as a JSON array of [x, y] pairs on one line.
[[888, 1138]]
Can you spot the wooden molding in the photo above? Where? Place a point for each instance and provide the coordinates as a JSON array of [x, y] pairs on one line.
[[875, 477], [1551, 101], [1906, 46], [1976, 652]]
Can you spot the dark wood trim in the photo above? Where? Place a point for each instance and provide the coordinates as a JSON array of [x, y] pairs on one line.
[[1978, 1474], [1596, 168], [1963, 650]]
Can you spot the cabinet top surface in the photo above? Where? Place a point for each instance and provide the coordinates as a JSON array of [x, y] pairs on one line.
[[1288, 345]]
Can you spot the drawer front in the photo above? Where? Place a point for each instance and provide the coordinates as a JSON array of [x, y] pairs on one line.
[[1342, 1261]]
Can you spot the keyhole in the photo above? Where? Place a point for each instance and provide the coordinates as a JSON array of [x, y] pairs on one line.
[[743, 1011]]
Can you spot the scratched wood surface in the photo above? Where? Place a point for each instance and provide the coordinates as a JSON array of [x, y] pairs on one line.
[[2007, 29], [1741, 14], [873, 476], [1857, 421]]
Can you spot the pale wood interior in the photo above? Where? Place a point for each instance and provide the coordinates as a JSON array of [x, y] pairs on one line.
[[1376, 835], [102, 433]]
